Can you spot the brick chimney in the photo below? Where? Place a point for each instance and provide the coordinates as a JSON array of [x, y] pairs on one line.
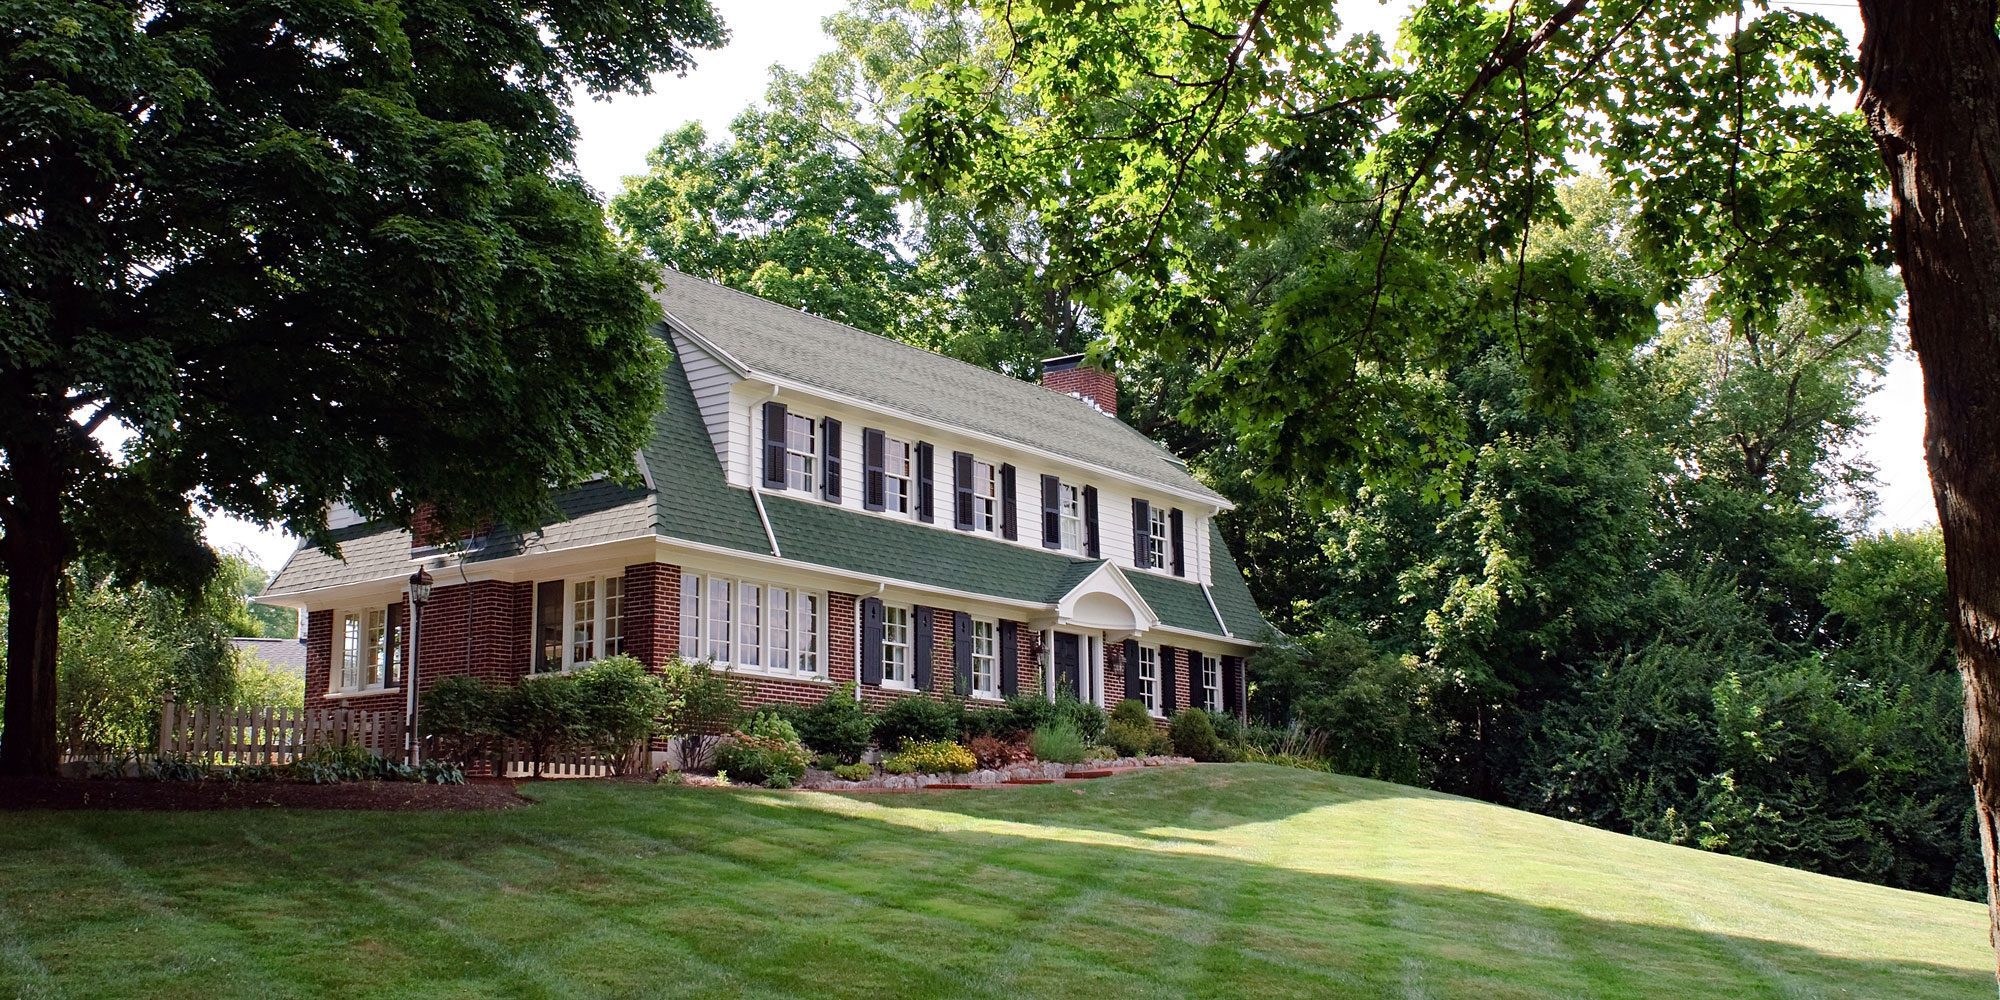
[[1071, 375]]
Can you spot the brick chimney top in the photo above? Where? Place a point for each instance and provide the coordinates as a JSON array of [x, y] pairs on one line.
[[1071, 375]]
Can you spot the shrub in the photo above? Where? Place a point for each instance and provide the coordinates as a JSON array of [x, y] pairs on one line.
[[1059, 742], [839, 726], [702, 705], [933, 757], [998, 723], [462, 719], [1026, 713], [854, 772], [1087, 718], [1193, 735], [916, 719], [899, 765], [767, 752], [619, 705], [1229, 730], [993, 753], [174, 767], [1131, 710], [1136, 739], [545, 714], [333, 763]]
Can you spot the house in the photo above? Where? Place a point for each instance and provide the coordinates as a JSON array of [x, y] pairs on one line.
[[819, 505]]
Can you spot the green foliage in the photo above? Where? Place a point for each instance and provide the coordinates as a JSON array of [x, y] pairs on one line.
[[545, 715], [1193, 735], [916, 718], [838, 726], [998, 723], [931, 757], [258, 684], [702, 705], [1058, 742], [464, 718], [1373, 705], [854, 772], [766, 752], [333, 763], [619, 703], [1131, 731]]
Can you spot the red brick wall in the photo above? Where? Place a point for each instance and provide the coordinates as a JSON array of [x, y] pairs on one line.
[[943, 667], [1114, 674], [1091, 383], [479, 629], [652, 612]]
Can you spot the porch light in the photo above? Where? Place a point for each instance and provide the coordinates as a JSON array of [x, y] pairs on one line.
[[420, 591], [420, 586]]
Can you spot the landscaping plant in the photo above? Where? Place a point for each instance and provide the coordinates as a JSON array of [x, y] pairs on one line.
[[1131, 732], [854, 772], [916, 719], [1194, 735], [766, 752], [932, 757], [619, 704], [464, 720], [839, 726], [993, 752], [545, 715], [702, 705], [1058, 742]]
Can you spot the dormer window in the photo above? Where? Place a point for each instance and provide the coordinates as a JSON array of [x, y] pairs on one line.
[[985, 496], [1069, 516], [1156, 539], [801, 453], [898, 475]]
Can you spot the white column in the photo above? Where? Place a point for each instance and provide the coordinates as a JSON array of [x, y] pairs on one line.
[[1097, 670], [1048, 664]]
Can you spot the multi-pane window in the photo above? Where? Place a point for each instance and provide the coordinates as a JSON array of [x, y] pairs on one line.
[[801, 452], [985, 659], [350, 652], [749, 625], [1211, 683], [579, 622], [614, 616], [583, 621], [985, 497], [374, 667], [896, 646], [1069, 517], [1156, 539], [898, 473], [1149, 678]]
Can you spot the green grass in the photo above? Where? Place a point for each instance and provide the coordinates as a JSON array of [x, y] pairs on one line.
[[1244, 880]]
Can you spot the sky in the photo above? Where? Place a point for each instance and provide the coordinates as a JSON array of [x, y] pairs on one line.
[[616, 134]]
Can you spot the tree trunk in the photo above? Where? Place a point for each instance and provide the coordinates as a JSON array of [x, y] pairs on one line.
[[34, 551], [1930, 74]]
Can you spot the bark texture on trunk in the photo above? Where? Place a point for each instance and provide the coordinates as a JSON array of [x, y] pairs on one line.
[[34, 550], [1930, 74]]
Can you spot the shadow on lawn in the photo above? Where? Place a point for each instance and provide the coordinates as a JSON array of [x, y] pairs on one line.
[[1274, 931]]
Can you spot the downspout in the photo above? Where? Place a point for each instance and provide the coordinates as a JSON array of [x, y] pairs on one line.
[[1217, 612], [757, 497]]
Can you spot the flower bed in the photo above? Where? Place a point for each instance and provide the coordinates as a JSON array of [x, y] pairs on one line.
[[985, 777]]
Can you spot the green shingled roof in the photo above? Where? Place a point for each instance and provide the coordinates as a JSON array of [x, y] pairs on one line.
[[693, 502]]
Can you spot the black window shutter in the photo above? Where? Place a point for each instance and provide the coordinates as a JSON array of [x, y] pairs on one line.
[[920, 655], [1008, 529], [1090, 521], [1133, 683], [924, 480], [1174, 536], [872, 486], [774, 445], [871, 641], [1167, 654], [1051, 512], [1010, 659], [1142, 534], [829, 437], [961, 654], [961, 482]]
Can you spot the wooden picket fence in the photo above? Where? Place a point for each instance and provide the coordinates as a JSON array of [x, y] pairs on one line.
[[517, 764], [272, 735]]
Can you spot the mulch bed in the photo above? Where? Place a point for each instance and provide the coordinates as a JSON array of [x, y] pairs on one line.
[[397, 796]]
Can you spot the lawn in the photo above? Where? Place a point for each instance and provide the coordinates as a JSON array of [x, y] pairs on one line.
[[1239, 880]]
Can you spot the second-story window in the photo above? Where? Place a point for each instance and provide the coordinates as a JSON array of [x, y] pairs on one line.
[[985, 497], [1069, 516], [1156, 539], [801, 453], [898, 475]]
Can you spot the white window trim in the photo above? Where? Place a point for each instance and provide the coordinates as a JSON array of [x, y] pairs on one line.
[[899, 489], [986, 498], [992, 660], [812, 459], [699, 607], [598, 636], [1149, 676], [337, 658], [1211, 670], [1069, 516], [909, 645], [1159, 543]]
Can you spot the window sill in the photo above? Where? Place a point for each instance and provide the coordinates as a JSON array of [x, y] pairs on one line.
[[764, 674], [364, 692]]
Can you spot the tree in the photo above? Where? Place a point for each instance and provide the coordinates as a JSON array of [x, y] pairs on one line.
[[333, 251], [1158, 127]]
